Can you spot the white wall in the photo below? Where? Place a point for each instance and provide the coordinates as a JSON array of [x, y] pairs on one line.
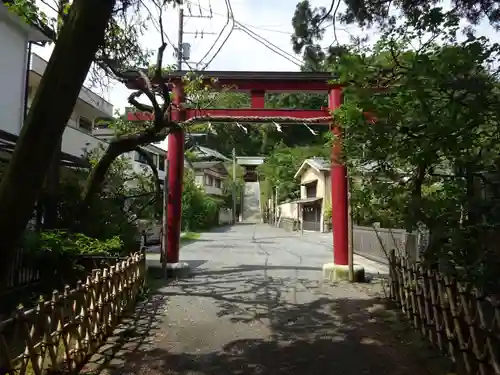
[[92, 99], [225, 216], [76, 139], [75, 142], [13, 43], [288, 210]]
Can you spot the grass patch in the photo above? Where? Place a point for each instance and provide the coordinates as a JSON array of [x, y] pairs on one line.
[[189, 237]]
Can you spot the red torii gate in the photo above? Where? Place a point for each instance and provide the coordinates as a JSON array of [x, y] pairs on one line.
[[257, 84]]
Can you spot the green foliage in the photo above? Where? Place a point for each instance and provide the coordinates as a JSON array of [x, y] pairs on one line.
[[327, 215], [133, 188], [125, 197], [199, 210], [60, 242], [436, 137], [378, 201], [29, 11], [259, 139], [280, 166], [313, 23], [232, 185]]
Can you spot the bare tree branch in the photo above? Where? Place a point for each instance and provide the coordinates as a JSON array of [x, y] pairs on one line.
[[117, 147], [151, 163]]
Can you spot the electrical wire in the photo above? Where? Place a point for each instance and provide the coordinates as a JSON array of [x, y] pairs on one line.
[[218, 37], [230, 19], [242, 26], [263, 41], [271, 48]]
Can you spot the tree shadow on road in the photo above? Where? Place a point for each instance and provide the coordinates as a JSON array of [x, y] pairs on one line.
[[349, 334]]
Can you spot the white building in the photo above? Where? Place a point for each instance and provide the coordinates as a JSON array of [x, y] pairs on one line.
[[78, 135], [210, 176], [15, 35], [20, 76]]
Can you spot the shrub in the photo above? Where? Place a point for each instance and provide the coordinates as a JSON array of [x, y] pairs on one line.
[[199, 210]]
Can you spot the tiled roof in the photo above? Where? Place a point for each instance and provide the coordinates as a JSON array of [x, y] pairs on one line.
[[205, 164], [208, 152], [321, 164]]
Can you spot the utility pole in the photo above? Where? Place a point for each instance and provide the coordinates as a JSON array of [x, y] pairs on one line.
[[234, 185], [183, 53], [180, 38]]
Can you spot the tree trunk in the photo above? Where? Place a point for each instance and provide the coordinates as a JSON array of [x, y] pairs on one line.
[[81, 35], [50, 197]]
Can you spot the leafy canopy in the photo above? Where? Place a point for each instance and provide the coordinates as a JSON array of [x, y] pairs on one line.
[[433, 150], [313, 25]]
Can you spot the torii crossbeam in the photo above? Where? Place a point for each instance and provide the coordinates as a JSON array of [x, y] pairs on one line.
[[256, 84]]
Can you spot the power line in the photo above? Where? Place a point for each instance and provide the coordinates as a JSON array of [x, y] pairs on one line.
[[273, 47], [263, 28], [229, 19], [231, 16], [242, 26]]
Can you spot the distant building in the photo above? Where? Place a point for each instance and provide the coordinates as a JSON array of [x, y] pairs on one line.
[[210, 175]]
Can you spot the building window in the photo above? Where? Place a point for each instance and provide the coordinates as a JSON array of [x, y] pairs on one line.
[[209, 180], [161, 163], [311, 189], [85, 124], [141, 159], [218, 183]]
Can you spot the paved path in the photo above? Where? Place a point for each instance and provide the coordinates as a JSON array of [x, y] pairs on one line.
[[257, 305]]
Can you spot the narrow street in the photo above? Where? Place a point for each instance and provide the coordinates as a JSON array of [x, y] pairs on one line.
[[256, 305]]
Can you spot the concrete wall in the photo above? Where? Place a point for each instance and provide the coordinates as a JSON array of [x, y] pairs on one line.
[[75, 142], [288, 210], [225, 216], [377, 243]]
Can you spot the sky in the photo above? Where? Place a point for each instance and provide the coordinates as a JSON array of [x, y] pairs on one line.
[[270, 19]]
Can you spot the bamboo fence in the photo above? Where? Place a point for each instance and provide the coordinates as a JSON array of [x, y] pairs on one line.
[[454, 317], [60, 334]]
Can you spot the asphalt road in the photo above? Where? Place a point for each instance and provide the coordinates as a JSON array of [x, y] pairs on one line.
[[257, 305], [258, 245]]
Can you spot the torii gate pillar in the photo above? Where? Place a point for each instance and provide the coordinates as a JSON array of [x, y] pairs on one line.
[[339, 190], [175, 155]]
